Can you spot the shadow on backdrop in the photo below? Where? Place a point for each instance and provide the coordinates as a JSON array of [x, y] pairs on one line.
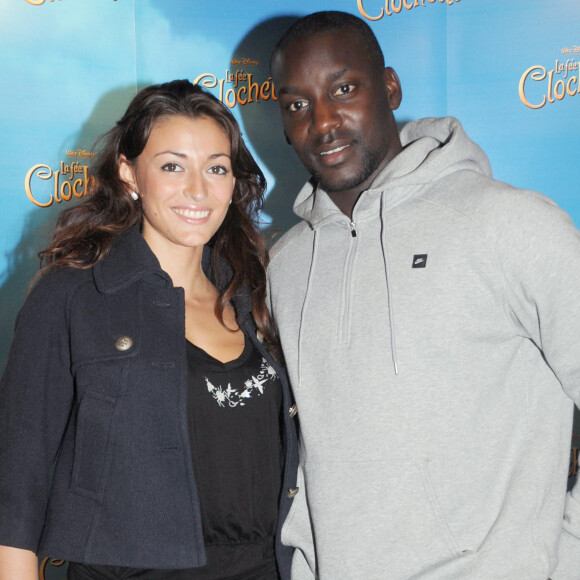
[[23, 262], [262, 126]]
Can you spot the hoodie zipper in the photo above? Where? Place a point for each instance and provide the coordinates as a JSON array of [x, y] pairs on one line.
[[346, 292]]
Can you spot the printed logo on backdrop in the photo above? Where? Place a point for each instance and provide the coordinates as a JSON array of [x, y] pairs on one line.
[[239, 86], [395, 6], [540, 86], [45, 186]]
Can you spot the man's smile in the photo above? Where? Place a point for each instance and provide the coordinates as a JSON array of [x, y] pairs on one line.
[[336, 150]]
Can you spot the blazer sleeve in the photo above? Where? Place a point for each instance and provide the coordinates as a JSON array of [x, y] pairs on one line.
[[36, 393]]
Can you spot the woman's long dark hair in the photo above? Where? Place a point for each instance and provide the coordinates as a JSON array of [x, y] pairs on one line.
[[84, 233]]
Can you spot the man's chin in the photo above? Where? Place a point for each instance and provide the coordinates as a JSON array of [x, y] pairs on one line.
[[339, 185], [343, 180]]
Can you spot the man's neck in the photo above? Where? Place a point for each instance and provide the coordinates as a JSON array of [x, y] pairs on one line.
[[345, 201]]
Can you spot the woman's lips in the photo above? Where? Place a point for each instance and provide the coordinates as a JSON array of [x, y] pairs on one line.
[[192, 215]]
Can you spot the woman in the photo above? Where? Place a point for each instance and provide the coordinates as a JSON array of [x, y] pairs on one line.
[[143, 364]]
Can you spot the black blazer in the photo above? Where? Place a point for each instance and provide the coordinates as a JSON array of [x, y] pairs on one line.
[[95, 387]]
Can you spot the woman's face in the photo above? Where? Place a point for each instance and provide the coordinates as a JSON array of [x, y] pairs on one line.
[[185, 181]]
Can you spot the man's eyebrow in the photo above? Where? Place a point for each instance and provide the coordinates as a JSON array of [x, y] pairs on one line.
[[292, 90], [288, 90], [336, 75]]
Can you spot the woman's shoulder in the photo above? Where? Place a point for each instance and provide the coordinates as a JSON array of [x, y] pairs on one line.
[[57, 284], [62, 277]]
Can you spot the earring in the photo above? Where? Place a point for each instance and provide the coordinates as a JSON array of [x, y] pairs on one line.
[[230, 201], [134, 195]]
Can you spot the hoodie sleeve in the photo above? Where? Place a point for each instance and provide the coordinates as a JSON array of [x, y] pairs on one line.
[[539, 252], [35, 400]]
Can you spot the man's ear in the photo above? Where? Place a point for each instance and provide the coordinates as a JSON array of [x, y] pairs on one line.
[[393, 85], [127, 173]]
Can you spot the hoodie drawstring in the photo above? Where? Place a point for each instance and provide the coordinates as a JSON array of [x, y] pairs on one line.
[[304, 304], [388, 280]]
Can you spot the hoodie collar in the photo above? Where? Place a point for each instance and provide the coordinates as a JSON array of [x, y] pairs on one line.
[[314, 206], [432, 148]]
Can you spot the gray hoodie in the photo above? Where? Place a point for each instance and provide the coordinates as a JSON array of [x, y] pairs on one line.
[[433, 344]]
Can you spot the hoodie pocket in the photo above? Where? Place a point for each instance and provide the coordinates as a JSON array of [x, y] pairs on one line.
[[376, 519], [91, 442]]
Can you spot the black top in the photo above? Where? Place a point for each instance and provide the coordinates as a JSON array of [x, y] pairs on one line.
[[234, 423]]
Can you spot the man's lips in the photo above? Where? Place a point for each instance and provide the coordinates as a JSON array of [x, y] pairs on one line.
[[334, 151], [332, 156]]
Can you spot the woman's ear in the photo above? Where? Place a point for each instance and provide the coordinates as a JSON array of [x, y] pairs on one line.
[[127, 173]]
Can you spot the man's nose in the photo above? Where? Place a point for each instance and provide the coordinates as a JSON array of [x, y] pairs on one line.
[[325, 117]]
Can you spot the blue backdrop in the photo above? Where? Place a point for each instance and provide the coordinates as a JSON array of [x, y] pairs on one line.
[[508, 70]]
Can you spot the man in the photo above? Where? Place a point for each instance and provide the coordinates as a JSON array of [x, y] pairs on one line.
[[429, 317]]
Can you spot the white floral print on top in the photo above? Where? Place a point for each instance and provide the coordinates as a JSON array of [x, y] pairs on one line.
[[253, 387]]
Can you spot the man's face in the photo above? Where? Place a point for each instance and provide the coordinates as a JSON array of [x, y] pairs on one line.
[[336, 109]]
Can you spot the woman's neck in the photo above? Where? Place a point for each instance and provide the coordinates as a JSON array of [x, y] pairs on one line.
[[184, 266]]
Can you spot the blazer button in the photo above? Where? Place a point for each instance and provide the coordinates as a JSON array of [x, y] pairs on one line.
[[123, 343], [292, 492], [292, 411]]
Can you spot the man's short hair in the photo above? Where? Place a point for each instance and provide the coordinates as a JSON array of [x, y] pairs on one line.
[[332, 21]]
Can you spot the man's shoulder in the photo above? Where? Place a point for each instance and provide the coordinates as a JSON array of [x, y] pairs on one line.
[[479, 197], [505, 215], [292, 243]]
